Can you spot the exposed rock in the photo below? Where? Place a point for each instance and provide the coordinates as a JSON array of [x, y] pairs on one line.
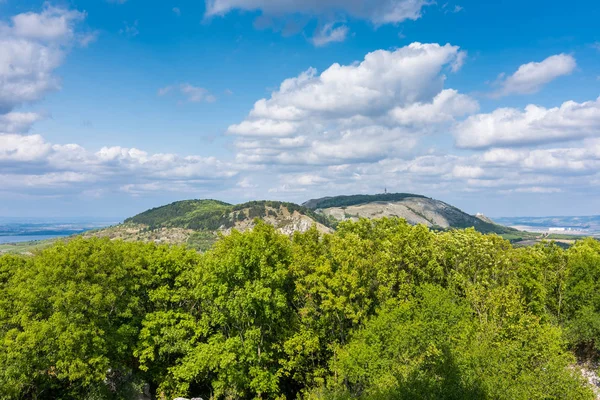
[[415, 210], [590, 373]]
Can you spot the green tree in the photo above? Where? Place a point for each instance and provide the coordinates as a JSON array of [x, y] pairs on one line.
[[433, 346], [227, 341], [583, 297]]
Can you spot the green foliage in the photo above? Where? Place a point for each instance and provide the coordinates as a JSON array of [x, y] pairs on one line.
[[211, 215], [353, 200], [582, 296], [71, 317], [239, 317], [379, 309], [178, 212], [202, 241], [192, 214], [433, 346]]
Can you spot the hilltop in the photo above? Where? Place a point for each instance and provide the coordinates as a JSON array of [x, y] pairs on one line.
[[415, 209], [199, 222]]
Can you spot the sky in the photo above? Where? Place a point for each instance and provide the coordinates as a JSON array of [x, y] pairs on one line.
[[111, 107]]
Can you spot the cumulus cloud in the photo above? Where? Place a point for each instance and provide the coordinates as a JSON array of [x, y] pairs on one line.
[[530, 78], [18, 122], [35, 160], [495, 171], [33, 46], [17, 148], [444, 107], [533, 125], [354, 113], [52, 24]]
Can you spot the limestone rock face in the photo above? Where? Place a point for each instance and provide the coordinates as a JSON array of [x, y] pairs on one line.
[[415, 210]]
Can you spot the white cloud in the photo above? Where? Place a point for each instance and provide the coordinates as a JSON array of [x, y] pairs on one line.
[[531, 77], [377, 11], [466, 171], [177, 11], [384, 79], [43, 181], [534, 125], [445, 106], [246, 183], [538, 189], [497, 171], [52, 24], [291, 16], [263, 127], [196, 94], [328, 34], [46, 164], [17, 148], [193, 94], [32, 47], [18, 122], [357, 112]]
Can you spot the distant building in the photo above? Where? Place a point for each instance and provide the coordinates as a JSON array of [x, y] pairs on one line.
[[557, 229]]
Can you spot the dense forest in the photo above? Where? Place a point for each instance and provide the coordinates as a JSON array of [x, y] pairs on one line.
[[377, 310]]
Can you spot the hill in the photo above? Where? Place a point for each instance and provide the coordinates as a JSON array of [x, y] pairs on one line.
[[416, 209], [198, 222]]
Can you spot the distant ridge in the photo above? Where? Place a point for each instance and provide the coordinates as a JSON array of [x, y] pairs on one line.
[[356, 199], [414, 208], [199, 222]]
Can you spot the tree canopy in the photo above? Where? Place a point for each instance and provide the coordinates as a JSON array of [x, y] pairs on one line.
[[379, 310]]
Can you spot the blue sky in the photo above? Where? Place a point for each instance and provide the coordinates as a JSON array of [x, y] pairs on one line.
[[111, 107]]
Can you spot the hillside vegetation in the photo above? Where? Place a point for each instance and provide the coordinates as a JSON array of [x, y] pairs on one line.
[[353, 200], [378, 309], [199, 214], [198, 223], [212, 215]]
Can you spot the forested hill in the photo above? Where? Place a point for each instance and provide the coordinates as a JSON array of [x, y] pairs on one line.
[[184, 213], [414, 208], [198, 222], [218, 215]]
